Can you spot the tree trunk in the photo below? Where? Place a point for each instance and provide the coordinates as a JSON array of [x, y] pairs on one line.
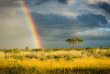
[[74, 45]]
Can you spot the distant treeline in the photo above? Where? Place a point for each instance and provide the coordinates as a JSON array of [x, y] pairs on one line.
[[17, 50]]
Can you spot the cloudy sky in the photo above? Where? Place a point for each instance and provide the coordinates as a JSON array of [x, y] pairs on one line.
[[56, 21]]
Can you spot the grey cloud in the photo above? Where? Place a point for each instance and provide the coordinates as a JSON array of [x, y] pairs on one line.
[[58, 28], [52, 21], [38, 2], [90, 21], [105, 6], [101, 5], [63, 1], [14, 31], [35, 2], [8, 3], [53, 27]]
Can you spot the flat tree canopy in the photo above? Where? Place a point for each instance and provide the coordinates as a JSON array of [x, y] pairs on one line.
[[74, 41]]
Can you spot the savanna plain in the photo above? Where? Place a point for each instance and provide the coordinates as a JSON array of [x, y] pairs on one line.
[[89, 60]]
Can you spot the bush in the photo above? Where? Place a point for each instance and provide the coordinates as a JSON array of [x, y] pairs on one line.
[[18, 57], [91, 49], [69, 58], [57, 49], [101, 47], [50, 57], [48, 50], [26, 50], [27, 47], [12, 50], [30, 56], [8, 50], [107, 54], [69, 49], [17, 50], [36, 50], [80, 49], [43, 58], [58, 56]]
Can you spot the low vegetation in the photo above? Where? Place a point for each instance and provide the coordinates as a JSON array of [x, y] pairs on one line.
[[90, 60]]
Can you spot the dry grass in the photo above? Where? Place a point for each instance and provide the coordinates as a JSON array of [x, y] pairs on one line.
[[51, 65], [2, 55], [30, 62], [53, 54]]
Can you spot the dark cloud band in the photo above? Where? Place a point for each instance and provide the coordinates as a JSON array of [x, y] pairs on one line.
[[38, 2], [101, 5]]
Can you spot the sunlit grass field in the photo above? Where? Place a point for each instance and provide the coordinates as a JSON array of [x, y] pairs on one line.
[[60, 61]]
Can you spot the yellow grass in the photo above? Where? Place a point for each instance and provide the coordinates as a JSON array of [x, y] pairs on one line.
[[62, 63], [10, 64], [2, 55], [55, 53]]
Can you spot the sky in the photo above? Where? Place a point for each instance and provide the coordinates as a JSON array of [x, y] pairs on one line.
[[56, 21]]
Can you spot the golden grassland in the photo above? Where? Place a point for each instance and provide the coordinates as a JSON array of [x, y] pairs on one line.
[[81, 65], [55, 62]]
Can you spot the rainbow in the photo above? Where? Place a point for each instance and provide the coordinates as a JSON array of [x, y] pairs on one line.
[[31, 23]]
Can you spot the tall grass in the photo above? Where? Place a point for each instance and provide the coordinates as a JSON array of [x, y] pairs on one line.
[[56, 61], [54, 54], [79, 65]]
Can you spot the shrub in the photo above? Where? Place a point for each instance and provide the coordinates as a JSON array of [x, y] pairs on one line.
[[48, 50], [69, 49], [36, 50], [31, 55], [58, 59], [18, 57], [101, 47], [17, 50], [97, 56], [26, 50], [8, 50], [69, 58], [43, 58], [57, 49], [107, 54], [50, 57], [58, 56], [12, 50], [91, 49], [80, 49], [27, 47]]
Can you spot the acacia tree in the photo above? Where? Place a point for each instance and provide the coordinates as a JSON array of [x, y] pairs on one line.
[[74, 41]]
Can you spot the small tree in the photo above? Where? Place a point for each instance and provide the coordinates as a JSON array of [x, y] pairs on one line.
[[101, 47], [74, 41], [27, 47]]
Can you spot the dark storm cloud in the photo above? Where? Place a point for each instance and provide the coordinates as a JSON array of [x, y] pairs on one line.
[[105, 6], [35, 2], [38, 2], [63, 1], [52, 26], [101, 5], [58, 28], [90, 21], [8, 3], [52, 21]]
